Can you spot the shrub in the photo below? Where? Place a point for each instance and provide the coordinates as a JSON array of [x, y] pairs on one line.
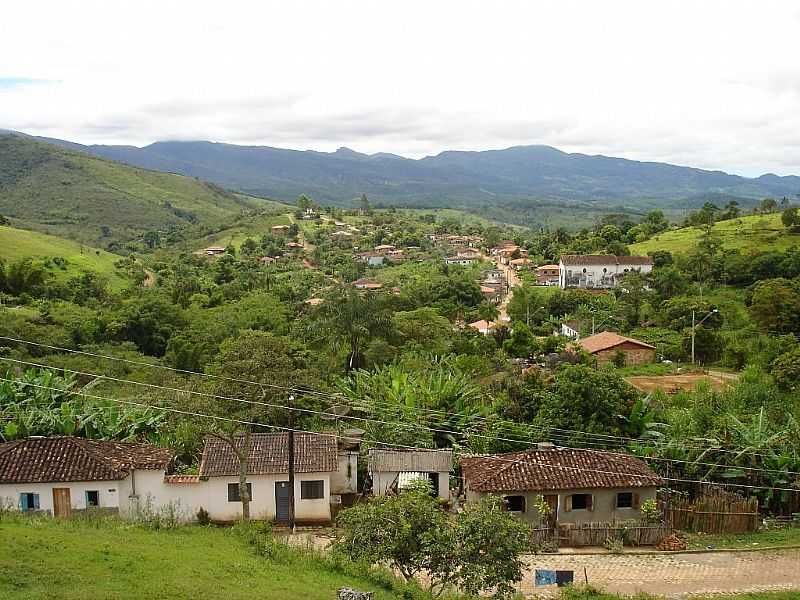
[[203, 517], [650, 511]]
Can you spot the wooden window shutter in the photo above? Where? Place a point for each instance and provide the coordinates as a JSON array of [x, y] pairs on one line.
[[636, 501], [23, 502], [589, 503], [567, 503]]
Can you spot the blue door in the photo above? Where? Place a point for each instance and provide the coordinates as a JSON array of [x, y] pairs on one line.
[[282, 501]]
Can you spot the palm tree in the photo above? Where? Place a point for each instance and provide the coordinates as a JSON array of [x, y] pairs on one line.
[[349, 319]]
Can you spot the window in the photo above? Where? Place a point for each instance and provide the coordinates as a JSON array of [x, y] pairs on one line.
[[233, 492], [515, 503], [312, 490], [581, 501], [28, 501], [625, 500], [92, 498]]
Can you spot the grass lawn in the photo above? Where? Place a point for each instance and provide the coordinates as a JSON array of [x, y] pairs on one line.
[[114, 560], [755, 232], [788, 536], [16, 244]]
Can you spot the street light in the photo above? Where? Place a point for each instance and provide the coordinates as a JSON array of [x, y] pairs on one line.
[[695, 326]]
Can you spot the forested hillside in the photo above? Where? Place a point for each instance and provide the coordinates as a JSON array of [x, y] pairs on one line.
[[515, 178], [102, 203]]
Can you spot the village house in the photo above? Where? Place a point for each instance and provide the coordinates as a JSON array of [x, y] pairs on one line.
[[607, 345], [482, 326], [213, 250], [519, 264], [384, 248], [372, 259], [266, 260], [460, 260], [367, 284], [601, 271], [580, 486], [391, 470], [294, 246], [279, 229], [570, 329], [63, 474], [491, 294], [548, 274]]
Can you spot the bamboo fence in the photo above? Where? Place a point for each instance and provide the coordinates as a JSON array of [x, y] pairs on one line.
[[718, 513]]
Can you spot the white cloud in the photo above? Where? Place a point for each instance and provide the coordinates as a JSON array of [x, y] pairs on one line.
[[713, 84]]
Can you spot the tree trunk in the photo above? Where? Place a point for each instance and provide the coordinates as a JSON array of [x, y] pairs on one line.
[[244, 462]]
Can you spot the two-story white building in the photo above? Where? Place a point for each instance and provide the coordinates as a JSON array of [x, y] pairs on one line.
[[599, 271]]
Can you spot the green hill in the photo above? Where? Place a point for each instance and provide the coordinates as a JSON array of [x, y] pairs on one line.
[[16, 244], [755, 232], [100, 202]]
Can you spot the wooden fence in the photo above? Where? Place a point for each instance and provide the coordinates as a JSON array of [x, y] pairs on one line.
[[596, 534], [717, 513]]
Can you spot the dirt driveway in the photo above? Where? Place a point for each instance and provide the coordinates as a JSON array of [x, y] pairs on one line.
[[675, 575], [672, 384]]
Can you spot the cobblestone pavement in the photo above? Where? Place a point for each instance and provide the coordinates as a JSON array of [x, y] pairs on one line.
[[675, 575]]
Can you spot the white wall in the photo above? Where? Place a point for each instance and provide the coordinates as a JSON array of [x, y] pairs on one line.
[[109, 493], [212, 495], [345, 479]]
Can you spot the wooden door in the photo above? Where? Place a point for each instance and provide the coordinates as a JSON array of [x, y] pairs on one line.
[[62, 504]]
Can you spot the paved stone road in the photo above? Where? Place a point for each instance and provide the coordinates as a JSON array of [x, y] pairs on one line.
[[676, 575]]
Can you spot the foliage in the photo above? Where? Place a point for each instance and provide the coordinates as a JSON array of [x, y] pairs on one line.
[[478, 550], [650, 511]]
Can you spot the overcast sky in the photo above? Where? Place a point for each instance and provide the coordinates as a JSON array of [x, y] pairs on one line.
[[713, 84]]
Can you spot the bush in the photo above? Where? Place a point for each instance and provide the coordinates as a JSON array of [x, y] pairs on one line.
[[203, 517]]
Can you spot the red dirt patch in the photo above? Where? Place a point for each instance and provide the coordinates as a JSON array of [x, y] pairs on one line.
[[672, 384]]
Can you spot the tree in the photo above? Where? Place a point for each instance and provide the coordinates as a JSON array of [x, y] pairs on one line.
[[775, 306], [731, 211], [364, 205], [351, 319], [786, 369], [304, 202], [768, 205], [478, 550], [272, 364], [152, 239], [424, 327], [791, 218]]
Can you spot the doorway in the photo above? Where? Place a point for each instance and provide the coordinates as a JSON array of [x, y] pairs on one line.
[[282, 501], [62, 503]]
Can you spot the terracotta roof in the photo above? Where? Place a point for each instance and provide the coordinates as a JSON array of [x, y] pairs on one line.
[[606, 340], [556, 469], [370, 284], [548, 267], [44, 460], [604, 259], [269, 454], [481, 325], [181, 479]]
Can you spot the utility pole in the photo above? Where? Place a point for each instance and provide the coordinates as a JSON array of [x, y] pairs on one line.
[[291, 463], [693, 328]]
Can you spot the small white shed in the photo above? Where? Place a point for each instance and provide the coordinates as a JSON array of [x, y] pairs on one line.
[[391, 470]]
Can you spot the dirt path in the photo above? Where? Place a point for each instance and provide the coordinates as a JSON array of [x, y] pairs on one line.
[[513, 281], [675, 575], [149, 279]]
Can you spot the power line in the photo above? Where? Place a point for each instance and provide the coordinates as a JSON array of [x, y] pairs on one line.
[[508, 461], [339, 397], [409, 426]]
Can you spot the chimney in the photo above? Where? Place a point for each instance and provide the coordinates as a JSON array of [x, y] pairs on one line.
[[545, 446]]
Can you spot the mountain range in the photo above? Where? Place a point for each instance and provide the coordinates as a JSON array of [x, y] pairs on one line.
[[455, 179]]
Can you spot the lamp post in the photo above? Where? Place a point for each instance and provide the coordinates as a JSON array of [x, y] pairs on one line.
[[695, 326]]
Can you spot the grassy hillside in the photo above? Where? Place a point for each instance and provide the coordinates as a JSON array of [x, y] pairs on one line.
[[755, 232], [16, 244], [253, 227], [99, 202], [68, 560]]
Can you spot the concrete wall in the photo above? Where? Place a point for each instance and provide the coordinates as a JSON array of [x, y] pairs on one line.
[[109, 493], [603, 505], [345, 479]]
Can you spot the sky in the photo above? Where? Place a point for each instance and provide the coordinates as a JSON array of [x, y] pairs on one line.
[[712, 83]]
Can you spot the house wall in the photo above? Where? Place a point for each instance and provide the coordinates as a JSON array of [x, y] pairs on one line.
[[345, 479], [109, 493], [596, 276], [382, 482], [603, 504], [634, 355], [212, 495]]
